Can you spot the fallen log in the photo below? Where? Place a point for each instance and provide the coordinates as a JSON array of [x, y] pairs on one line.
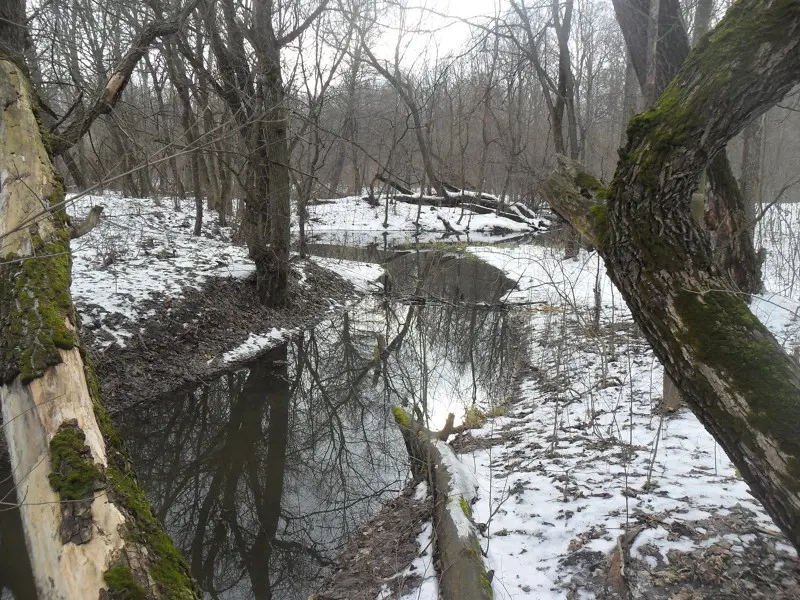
[[462, 573], [483, 210], [447, 227], [394, 183], [524, 211], [438, 201]]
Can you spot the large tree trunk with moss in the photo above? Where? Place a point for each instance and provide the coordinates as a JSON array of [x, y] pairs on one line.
[[721, 205], [87, 524], [734, 374], [725, 210]]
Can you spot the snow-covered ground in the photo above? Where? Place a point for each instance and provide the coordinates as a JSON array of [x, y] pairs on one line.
[[581, 456], [140, 252], [145, 251], [585, 455], [353, 221]]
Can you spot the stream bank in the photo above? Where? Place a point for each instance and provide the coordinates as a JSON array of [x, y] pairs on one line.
[[183, 341], [264, 475]]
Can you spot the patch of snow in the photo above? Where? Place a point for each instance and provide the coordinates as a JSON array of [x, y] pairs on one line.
[[142, 251], [463, 484], [580, 443], [423, 565], [352, 221], [363, 276], [256, 344]]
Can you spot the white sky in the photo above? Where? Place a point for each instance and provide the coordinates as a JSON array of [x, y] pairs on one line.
[[437, 34]]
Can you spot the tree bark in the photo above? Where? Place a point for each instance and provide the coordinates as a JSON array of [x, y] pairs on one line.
[[734, 374], [702, 20], [88, 526], [268, 216], [752, 163], [628, 97], [725, 209]]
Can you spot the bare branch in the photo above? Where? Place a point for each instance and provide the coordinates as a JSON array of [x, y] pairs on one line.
[[107, 98]]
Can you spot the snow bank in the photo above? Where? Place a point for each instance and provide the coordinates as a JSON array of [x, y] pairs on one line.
[[256, 344], [141, 251]]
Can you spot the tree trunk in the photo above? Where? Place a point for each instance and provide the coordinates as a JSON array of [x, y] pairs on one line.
[[702, 20], [566, 82], [734, 374], [87, 524], [268, 214], [74, 171], [725, 216], [651, 90], [349, 123], [628, 97], [752, 162]]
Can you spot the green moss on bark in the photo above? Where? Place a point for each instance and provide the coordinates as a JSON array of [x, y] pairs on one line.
[[168, 567], [465, 507], [586, 180], [600, 216], [34, 308], [725, 335], [74, 476], [121, 584], [56, 202], [401, 417]]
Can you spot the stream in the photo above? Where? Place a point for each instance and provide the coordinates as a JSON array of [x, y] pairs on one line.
[[264, 474]]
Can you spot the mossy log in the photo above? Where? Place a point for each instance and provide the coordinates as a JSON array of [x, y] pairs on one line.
[[734, 375], [89, 531], [462, 573]]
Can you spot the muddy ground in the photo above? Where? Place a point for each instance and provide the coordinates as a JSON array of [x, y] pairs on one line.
[[182, 344]]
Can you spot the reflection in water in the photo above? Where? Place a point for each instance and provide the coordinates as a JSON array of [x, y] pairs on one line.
[[16, 579], [262, 475]]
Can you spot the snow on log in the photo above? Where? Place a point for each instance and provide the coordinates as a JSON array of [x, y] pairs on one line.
[[462, 573], [484, 210]]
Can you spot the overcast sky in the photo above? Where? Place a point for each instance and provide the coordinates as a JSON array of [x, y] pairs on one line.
[[439, 34]]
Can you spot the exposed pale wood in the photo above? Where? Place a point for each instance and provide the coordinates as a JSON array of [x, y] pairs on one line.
[[71, 542]]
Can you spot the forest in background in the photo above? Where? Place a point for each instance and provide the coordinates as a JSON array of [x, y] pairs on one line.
[[490, 114]]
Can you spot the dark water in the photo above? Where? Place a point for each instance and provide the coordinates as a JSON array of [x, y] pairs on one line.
[[16, 580], [263, 475]]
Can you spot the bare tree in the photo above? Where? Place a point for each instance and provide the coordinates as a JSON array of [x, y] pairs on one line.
[[87, 524]]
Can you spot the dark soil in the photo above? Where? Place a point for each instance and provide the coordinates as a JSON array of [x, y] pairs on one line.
[[380, 550], [183, 343]]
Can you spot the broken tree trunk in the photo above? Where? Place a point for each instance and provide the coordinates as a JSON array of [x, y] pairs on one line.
[[734, 375], [89, 529], [462, 573]]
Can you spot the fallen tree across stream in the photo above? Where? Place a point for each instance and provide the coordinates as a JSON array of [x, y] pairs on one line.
[[454, 197]]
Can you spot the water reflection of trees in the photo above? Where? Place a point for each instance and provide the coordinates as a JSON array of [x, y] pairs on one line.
[[263, 475], [16, 578], [462, 351]]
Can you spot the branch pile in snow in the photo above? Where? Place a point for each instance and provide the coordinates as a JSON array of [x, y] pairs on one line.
[[462, 573]]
